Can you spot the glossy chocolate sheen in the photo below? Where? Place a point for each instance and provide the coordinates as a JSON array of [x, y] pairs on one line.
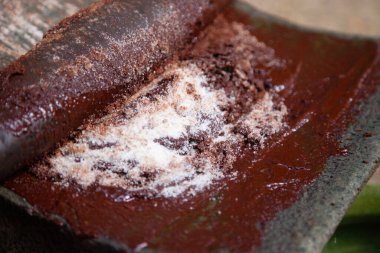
[[325, 79], [88, 60]]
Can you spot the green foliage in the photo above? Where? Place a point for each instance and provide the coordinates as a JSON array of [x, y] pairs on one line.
[[360, 229]]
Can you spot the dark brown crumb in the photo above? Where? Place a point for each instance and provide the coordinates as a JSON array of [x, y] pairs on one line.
[[235, 61]]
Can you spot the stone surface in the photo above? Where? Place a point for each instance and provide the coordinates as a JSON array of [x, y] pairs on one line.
[[304, 227]]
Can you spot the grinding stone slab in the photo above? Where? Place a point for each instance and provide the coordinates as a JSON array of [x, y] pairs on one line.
[[310, 222], [303, 227]]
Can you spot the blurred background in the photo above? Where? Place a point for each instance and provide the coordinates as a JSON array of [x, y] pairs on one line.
[[360, 229], [348, 16]]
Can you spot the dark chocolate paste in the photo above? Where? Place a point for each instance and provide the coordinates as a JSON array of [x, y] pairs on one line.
[[322, 85], [86, 62]]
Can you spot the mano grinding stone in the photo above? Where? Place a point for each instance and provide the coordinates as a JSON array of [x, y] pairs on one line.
[[84, 63]]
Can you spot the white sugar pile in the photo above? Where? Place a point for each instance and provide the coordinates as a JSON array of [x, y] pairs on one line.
[[172, 138], [125, 152], [128, 150]]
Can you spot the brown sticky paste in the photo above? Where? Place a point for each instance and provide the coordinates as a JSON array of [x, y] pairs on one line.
[[325, 77]]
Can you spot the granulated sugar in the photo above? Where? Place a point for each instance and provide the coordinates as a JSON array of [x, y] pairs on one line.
[[131, 152], [263, 120], [184, 131]]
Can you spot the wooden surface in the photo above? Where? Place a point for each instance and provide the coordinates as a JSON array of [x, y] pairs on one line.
[[348, 16], [375, 178], [24, 22]]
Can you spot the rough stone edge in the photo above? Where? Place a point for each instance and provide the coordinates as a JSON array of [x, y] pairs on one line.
[[39, 234], [309, 223]]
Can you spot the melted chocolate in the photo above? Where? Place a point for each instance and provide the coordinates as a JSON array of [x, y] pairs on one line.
[[325, 77]]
